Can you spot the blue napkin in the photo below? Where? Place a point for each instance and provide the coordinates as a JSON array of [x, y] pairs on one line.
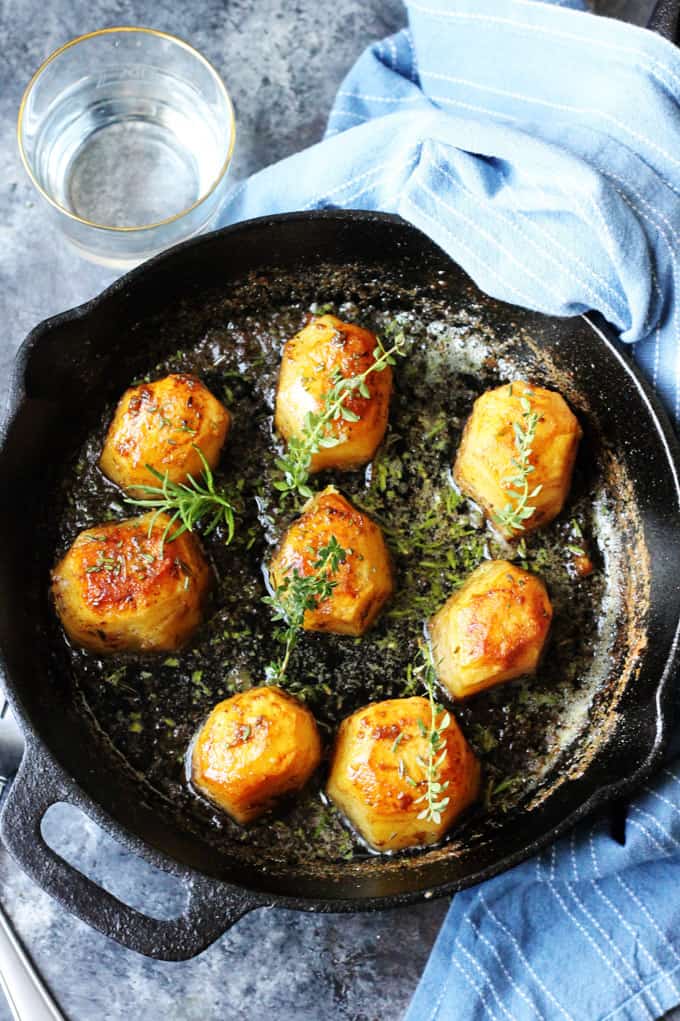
[[540, 146]]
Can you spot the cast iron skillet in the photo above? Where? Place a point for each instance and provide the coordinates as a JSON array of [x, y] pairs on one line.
[[71, 365]]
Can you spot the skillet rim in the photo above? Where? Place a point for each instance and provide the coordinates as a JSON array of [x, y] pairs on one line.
[[36, 747]]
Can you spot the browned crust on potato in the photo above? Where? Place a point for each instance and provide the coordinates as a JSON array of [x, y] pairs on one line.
[[363, 582], [120, 587], [377, 776], [161, 424], [253, 749], [325, 348], [492, 629], [484, 461]]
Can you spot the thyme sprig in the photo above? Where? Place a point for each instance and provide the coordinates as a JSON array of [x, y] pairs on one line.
[[434, 799], [512, 517], [317, 429], [187, 503], [297, 594]]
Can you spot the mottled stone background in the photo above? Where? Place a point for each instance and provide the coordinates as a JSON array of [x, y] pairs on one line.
[[282, 60]]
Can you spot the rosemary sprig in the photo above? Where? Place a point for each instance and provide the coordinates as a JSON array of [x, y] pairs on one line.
[[186, 503], [317, 431], [512, 517], [433, 798], [296, 595]]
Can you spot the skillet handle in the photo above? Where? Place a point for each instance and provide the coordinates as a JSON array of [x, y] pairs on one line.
[[211, 908]]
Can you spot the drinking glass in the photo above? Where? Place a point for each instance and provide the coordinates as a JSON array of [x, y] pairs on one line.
[[127, 133]]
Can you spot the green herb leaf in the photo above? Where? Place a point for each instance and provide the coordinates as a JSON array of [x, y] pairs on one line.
[[318, 432], [296, 595], [518, 510], [186, 503], [440, 720]]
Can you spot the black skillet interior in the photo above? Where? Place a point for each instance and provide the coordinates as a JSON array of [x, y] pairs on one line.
[[73, 365]]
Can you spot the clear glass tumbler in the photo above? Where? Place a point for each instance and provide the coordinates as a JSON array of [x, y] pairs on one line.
[[127, 133]]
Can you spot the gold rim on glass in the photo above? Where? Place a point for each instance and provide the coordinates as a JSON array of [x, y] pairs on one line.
[[109, 31]]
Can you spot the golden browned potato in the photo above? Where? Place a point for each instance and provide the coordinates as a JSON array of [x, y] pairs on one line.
[[488, 455], [119, 588], [491, 630], [311, 361], [377, 774], [161, 424], [363, 580], [254, 748]]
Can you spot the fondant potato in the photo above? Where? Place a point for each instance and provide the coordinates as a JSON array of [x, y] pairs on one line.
[[488, 453], [162, 424], [119, 588], [254, 748], [491, 630], [363, 581], [377, 775], [312, 360]]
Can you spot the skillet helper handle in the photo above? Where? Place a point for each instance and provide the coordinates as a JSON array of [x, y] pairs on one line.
[[212, 906]]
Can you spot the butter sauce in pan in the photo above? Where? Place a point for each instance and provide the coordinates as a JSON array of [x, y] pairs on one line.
[[149, 707]]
